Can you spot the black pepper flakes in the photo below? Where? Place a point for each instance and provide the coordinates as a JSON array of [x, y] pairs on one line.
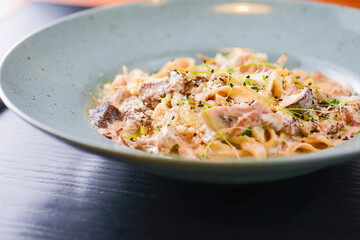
[[231, 85], [248, 76], [200, 104], [228, 99], [244, 84], [173, 117]]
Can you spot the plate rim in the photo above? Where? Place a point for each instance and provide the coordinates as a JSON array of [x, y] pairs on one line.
[[301, 159]]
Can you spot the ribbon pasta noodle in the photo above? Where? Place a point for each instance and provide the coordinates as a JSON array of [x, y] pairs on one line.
[[234, 105]]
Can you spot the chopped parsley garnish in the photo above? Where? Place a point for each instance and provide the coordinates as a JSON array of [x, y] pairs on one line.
[[310, 116], [130, 137], [255, 88], [247, 132], [335, 101], [327, 117], [142, 130]]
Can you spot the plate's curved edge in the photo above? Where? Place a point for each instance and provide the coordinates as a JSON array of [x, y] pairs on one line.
[[110, 153], [329, 159]]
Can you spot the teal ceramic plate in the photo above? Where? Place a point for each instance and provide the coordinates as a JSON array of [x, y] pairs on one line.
[[47, 78]]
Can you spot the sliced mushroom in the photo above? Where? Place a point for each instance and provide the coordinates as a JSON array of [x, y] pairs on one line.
[[105, 114], [301, 98], [224, 117]]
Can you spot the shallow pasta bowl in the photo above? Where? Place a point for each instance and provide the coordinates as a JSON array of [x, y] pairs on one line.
[[47, 78]]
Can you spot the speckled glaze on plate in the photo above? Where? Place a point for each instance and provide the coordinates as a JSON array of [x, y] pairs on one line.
[[47, 78]]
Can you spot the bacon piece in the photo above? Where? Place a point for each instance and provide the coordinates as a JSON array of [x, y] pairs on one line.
[[330, 86], [105, 114], [282, 60], [150, 91]]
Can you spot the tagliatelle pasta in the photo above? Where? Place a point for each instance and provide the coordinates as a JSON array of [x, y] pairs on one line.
[[233, 105]]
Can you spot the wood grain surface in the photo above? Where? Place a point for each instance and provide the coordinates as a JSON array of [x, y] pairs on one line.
[[51, 190]]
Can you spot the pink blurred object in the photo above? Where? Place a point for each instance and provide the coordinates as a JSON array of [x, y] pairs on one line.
[[90, 3], [10, 6], [94, 3]]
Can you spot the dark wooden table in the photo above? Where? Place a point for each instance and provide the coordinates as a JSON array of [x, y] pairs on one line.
[[50, 190]]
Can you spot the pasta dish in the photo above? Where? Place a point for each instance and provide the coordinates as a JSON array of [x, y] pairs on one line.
[[232, 105]]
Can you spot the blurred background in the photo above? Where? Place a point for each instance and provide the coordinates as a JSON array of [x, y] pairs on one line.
[[30, 15], [94, 3], [18, 18]]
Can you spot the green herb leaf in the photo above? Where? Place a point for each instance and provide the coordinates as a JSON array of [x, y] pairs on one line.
[[259, 65], [335, 101], [204, 155], [130, 137], [256, 88], [142, 130], [190, 123], [310, 115], [247, 132], [248, 81], [327, 117]]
